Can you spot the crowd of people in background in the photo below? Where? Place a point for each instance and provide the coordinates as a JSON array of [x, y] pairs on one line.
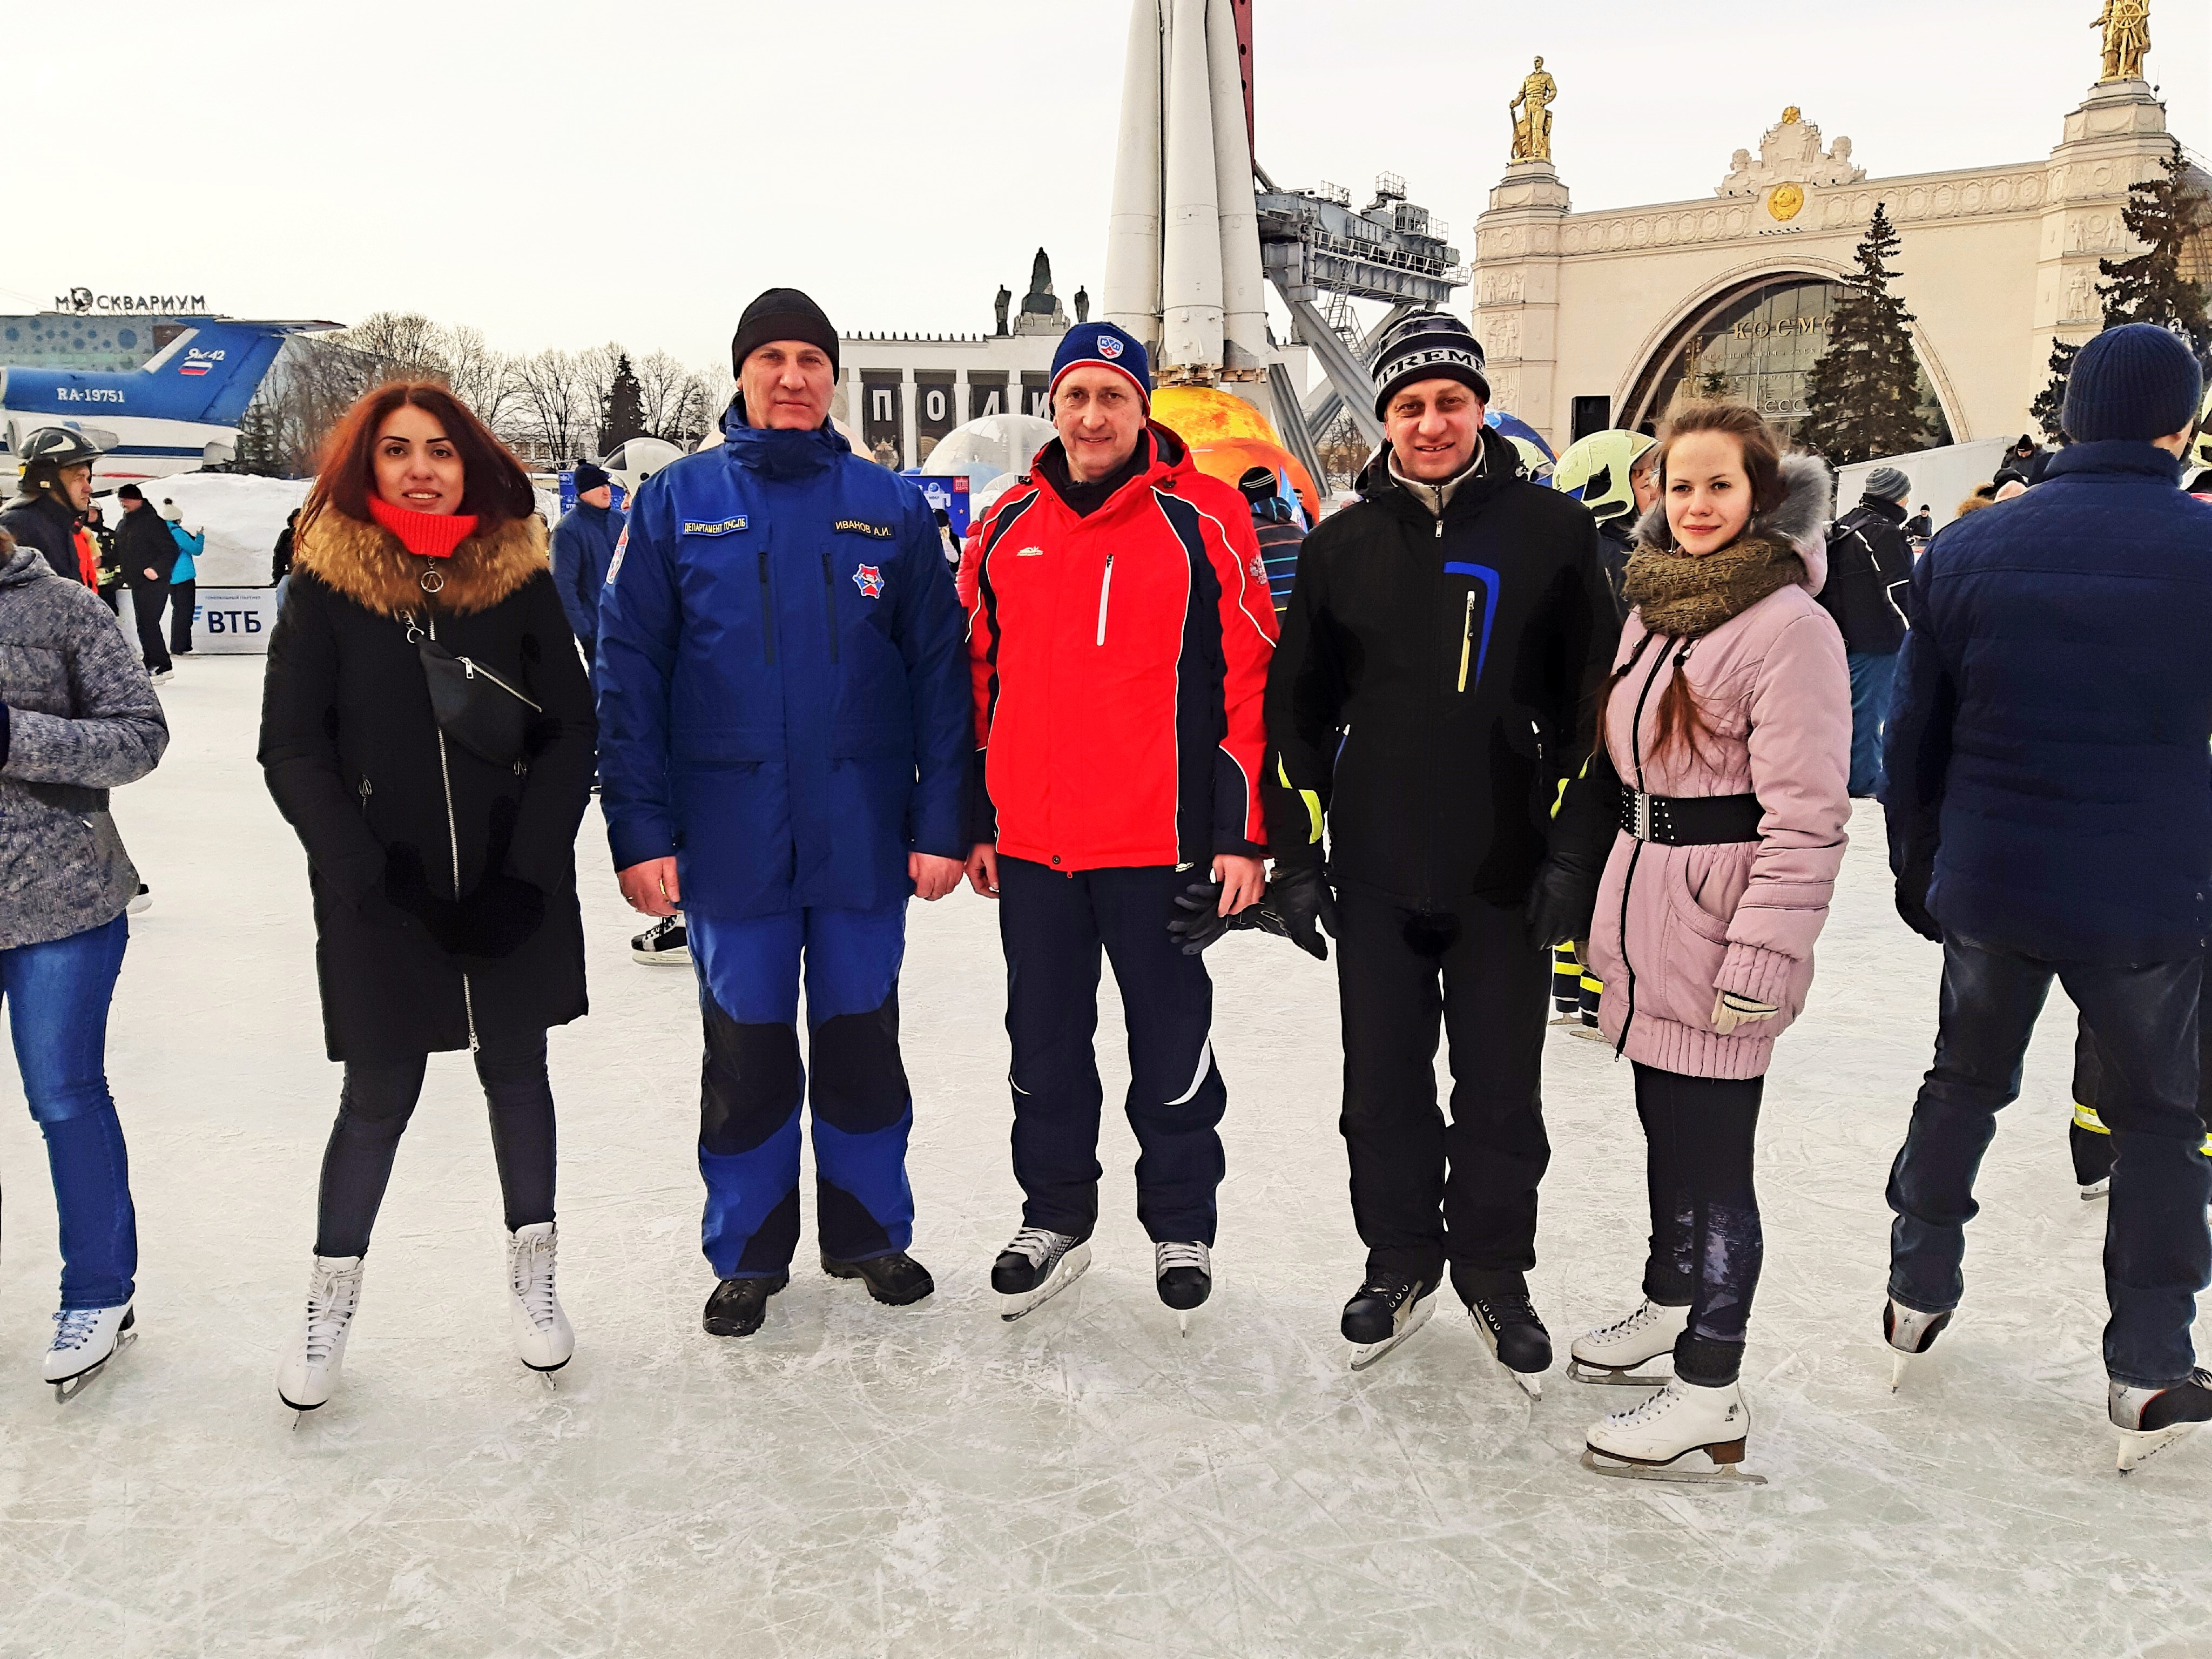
[[1480, 731]]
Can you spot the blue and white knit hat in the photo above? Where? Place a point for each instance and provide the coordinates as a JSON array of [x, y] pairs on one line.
[[1101, 345]]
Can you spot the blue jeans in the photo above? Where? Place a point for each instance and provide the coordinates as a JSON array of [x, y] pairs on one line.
[[2158, 1250], [58, 995], [754, 1082], [1873, 674]]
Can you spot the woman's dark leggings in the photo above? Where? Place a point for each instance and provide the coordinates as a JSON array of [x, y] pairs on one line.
[[378, 1099], [1706, 1245]]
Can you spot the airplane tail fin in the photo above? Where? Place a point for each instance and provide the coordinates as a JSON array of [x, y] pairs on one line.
[[211, 371]]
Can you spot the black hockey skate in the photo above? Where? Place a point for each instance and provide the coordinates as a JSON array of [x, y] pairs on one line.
[[1384, 1311], [1037, 1266], [1497, 1302], [739, 1305], [2148, 1420], [1184, 1273], [1909, 1333], [895, 1281]]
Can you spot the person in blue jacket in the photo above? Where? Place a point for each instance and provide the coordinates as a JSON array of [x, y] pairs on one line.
[[785, 722], [2050, 802], [184, 579], [583, 547]]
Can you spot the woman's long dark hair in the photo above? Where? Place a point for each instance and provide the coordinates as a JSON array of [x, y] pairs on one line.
[[494, 486], [1679, 719]]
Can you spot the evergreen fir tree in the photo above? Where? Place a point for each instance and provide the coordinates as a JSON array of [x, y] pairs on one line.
[[2051, 403], [2163, 213], [621, 417], [1863, 397]]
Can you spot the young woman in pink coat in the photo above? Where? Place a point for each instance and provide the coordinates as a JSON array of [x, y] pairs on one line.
[[1729, 718]]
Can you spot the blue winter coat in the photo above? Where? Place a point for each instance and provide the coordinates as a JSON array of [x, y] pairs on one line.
[[2046, 749], [583, 547], [782, 679]]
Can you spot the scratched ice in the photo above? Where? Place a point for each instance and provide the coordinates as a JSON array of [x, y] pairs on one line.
[[859, 1481]]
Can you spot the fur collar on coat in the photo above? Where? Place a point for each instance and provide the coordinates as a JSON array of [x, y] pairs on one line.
[[366, 563], [1807, 505]]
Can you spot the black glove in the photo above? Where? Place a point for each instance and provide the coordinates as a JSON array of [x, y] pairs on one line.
[[1561, 903], [1913, 905], [496, 919], [1200, 921], [1297, 906], [491, 923]]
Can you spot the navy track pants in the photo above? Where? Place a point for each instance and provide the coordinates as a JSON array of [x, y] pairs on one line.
[[1054, 928], [753, 1083]]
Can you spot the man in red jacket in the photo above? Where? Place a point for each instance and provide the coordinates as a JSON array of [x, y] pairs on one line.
[[1120, 629]]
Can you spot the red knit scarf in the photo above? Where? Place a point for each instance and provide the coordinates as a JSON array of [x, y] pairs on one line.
[[426, 535]]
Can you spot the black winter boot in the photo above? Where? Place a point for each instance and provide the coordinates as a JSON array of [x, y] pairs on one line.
[[739, 1305], [895, 1280]]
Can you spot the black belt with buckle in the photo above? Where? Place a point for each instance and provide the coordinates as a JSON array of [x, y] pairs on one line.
[[1690, 820]]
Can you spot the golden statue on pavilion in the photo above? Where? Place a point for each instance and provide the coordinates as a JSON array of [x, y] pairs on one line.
[[2126, 24], [1532, 116]]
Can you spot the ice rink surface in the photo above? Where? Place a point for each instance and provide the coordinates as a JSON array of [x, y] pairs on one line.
[[857, 1480]]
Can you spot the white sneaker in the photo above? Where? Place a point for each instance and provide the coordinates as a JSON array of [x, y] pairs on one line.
[[1681, 1420], [85, 1339], [309, 1374], [1611, 1353], [542, 1340]]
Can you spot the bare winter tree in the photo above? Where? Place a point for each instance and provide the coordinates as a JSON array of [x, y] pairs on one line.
[[557, 411], [482, 378], [680, 406]]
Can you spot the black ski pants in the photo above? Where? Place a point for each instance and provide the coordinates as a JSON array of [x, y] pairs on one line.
[[2158, 1251], [184, 605], [1054, 928], [1424, 1192], [1707, 1245], [374, 1105]]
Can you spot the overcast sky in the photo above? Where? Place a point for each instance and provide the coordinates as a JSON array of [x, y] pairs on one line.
[[563, 174]]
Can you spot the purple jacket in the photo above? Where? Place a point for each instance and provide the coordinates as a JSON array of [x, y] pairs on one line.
[[1693, 921]]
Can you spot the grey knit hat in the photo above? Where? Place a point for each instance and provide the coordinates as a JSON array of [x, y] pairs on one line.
[[1888, 483]]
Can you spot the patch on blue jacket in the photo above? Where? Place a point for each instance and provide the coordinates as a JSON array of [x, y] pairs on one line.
[[713, 527], [882, 532]]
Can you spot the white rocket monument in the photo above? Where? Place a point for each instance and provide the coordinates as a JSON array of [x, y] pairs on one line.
[[1183, 246]]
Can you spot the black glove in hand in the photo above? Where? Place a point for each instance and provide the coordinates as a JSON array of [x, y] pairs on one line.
[[1297, 906], [1560, 904], [496, 919], [492, 921], [1200, 921], [1912, 907]]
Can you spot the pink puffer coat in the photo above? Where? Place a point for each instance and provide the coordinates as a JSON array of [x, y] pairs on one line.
[[1693, 921]]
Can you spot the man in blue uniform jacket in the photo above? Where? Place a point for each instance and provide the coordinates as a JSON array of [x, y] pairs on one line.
[[583, 548], [785, 728]]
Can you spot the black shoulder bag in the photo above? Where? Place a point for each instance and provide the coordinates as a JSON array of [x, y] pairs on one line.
[[473, 706]]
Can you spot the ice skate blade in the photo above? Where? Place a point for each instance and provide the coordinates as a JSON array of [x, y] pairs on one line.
[[2097, 1189], [69, 1387], [1719, 1474], [1368, 1353], [1069, 1268], [1589, 1034], [2139, 1446], [1616, 1377]]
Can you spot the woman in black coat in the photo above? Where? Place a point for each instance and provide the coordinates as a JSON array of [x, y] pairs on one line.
[[443, 874]]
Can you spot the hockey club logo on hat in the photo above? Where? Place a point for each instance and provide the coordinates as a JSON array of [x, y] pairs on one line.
[[1109, 348], [869, 580]]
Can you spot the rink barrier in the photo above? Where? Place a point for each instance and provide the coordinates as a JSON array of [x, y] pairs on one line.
[[225, 621]]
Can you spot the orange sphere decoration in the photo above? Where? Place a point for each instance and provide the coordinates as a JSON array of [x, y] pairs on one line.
[[1228, 437]]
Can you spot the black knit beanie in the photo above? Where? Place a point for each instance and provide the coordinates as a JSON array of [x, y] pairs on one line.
[[782, 313]]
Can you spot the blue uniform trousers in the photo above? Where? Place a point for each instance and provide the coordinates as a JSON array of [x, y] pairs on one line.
[[753, 1083]]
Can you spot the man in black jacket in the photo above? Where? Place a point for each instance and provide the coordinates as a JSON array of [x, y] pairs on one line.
[[148, 553], [1868, 563], [57, 489], [1432, 699]]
